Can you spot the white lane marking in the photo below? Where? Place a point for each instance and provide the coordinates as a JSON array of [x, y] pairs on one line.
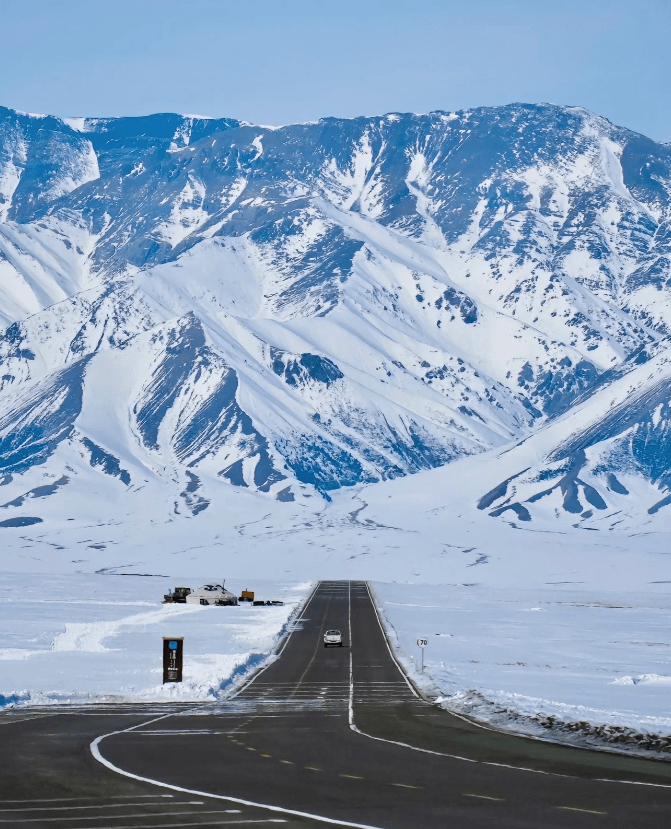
[[11, 720], [286, 716], [389, 648], [95, 751], [100, 806], [69, 799], [506, 733], [156, 719], [484, 762], [351, 701], [68, 712], [415, 748], [184, 731], [200, 823], [484, 797], [585, 811], [192, 813], [279, 653], [351, 664], [98, 756]]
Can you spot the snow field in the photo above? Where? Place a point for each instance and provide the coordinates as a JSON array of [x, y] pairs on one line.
[[83, 638], [575, 654]]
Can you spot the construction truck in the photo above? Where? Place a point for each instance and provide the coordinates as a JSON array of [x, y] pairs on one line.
[[176, 596]]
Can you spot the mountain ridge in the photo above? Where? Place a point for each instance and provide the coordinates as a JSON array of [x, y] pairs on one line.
[[314, 306]]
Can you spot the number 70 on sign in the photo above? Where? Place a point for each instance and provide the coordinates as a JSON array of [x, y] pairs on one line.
[[422, 642]]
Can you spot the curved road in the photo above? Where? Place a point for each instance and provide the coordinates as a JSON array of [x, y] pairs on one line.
[[322, 735]]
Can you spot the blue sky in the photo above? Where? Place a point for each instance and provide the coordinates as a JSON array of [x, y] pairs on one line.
[[280, 61]]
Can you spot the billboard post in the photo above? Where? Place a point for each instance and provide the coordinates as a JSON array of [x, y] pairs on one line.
[[172, 658]]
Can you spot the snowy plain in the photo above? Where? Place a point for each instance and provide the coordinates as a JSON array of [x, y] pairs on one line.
[[560, 651], [521, 618], [91, 638], [439, 329]]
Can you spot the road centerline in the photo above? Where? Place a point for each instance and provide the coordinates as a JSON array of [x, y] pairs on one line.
[[310, 684]]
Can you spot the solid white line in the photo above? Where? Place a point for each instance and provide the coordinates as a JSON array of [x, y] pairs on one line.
[[66, 799], [101, 806], [506, 733], [95, 751], [414, 748], [281, 650], [576, 809], [103, 817], [351, 695], [121, 817], [389, 648], [506, 765], [182, 731], [351, 661], [206, 823]]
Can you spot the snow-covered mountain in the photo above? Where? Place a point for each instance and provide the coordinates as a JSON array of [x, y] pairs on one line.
[[193, 306]]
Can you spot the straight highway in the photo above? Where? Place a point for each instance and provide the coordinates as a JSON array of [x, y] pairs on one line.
[[320, 737]]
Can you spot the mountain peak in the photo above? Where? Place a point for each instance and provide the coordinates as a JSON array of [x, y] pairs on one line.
[[288, 311]]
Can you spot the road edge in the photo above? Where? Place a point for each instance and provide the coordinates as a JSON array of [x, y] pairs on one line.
[[280, 645], [379, 612]]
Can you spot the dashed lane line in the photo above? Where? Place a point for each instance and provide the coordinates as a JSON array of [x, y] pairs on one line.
[[371, 688], [483, 796], [576, 809], [352, 776]]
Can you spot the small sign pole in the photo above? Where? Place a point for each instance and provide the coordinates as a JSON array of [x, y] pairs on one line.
[[172, 658], [422, 642]]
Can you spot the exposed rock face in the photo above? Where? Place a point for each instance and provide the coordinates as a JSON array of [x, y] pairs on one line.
[[320, 305]]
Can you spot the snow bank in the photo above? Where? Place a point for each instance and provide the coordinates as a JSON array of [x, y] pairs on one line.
[[80, 638], [554, 654]]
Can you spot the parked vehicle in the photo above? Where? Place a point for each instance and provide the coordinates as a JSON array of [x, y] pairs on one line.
[[246, 596], [176, 596], [333, 637]]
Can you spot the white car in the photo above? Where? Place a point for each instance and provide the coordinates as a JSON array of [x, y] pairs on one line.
[[333, 637]]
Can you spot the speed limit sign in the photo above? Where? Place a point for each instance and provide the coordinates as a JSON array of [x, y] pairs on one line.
[[422, 642]]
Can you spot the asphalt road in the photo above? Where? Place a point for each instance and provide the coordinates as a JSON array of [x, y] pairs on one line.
[[334, 734]]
